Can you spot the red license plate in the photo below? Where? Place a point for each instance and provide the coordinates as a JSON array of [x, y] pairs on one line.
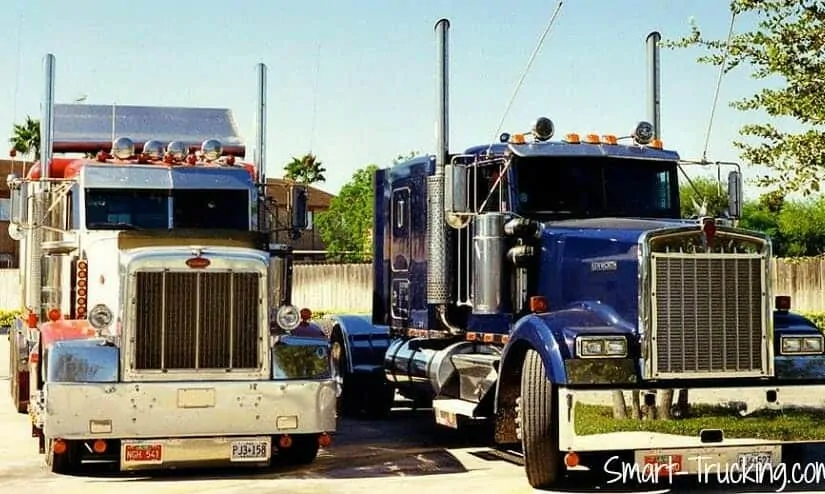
[[664, 463], [144, 453]]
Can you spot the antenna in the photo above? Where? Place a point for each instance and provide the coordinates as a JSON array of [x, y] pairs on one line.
[[520, 82], [114, 121]]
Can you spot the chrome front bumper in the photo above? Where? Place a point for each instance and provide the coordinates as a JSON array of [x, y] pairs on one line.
[[194, 409], [716, 425]]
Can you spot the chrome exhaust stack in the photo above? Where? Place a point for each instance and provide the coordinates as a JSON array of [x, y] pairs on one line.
[[259, 156], [654, 83], [438, 276], [47, 118]]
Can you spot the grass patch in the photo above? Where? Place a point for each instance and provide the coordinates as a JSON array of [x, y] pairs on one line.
[[785, 425]]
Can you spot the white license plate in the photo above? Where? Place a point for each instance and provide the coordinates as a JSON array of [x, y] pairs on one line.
[[250, 450], [755, 459]]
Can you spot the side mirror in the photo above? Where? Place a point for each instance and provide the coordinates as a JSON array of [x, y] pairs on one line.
[[299, 207], [735, 194], [17, 203]]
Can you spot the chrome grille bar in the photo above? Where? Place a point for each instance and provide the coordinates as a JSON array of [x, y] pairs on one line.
[[708, 315], [197, 320]]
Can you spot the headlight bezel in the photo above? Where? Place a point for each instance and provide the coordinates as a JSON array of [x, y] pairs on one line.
[[801, 339], [282, 318], [100, 309], [586, 344]]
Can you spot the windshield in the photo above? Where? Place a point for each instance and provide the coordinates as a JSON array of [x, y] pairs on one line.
[[117, 209], [222, 209], [139, 209], [588, 187]]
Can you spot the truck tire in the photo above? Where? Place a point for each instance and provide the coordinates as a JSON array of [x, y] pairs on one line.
[[539, 435], [303, 451]]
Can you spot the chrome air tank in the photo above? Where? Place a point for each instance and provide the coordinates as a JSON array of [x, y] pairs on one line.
[[489, 251], [420, 372]]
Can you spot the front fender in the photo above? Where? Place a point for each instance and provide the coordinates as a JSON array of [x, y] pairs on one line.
[[301, 357], [82, 361], [65, 329], [795, 367], [537, 332], [364, 342], [553, 336]]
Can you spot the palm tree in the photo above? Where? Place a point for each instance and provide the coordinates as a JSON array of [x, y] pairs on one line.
[[305, 170], [25, 138]]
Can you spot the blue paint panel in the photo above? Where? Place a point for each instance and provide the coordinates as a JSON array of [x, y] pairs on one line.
[[407, 181], [489, 323], [365, 343], [799, 368], [380, 262]]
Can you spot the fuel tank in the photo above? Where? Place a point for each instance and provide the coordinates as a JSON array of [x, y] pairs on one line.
[[419, 372]]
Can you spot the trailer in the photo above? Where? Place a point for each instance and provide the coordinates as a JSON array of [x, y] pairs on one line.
[[550, 288], [158, 329]]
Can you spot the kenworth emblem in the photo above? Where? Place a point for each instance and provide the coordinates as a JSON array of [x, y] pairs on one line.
[[603, 266]]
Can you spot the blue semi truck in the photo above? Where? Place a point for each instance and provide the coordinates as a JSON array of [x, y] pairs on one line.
[[551, 288]]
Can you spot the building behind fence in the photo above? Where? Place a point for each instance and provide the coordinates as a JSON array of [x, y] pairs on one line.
[[348, 287]]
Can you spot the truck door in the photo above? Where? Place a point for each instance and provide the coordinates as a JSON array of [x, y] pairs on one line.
[[400, 240]]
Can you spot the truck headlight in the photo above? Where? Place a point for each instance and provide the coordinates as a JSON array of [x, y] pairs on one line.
[[100, 317], [288, 317], [801, 345], [601, 346]]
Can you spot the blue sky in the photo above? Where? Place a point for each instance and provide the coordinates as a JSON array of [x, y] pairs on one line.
[[375, 87]]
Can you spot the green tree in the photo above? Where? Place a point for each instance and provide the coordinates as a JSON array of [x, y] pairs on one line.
[[787, 46], [305, 170], [346, 227], [25, 138], [704, 192]]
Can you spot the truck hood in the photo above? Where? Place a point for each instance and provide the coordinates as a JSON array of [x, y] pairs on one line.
[[596, 260]]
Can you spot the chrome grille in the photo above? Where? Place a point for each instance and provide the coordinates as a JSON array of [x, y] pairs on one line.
[[197, 320], [708, 314]]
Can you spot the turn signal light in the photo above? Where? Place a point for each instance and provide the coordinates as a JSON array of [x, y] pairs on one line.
[[538, 304], [324, 440], [571, 459], [54, 314], [99, 446], [782, 303], [59, 446], [285, 441], [306, 314]]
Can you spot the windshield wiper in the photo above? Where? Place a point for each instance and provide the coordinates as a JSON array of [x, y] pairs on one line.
[[104, 225]]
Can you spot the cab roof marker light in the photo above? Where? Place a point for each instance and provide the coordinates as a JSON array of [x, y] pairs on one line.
[[572, 138]]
